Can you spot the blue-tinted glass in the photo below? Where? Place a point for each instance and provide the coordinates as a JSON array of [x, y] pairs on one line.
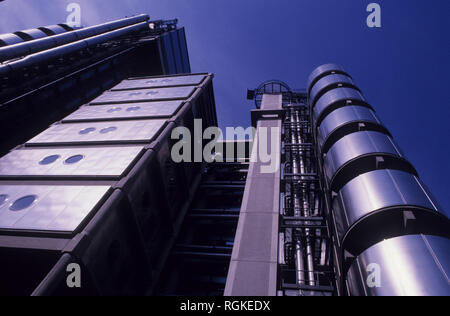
[[49, 160], [23, 203], [74, 159], [152, 92], [87, 130]]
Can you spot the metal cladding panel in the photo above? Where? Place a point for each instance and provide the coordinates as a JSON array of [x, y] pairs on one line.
[[324, 69], [108, 132], [184, 50], [47, 208], [328, 82], [335, 97], [177, 51], [356, 145], [380, 198], [125, 111], [145, 95], [343, 116], [69, 162], [413, 265], [159, 82], [10, 39], [169, 54]]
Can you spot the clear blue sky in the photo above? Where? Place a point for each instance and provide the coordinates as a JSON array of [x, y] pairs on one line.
[[402, 68]]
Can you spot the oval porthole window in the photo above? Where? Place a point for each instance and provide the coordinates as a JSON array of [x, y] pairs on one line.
[[87, 131], [152, 81], [23, 203], [113, 110], [74, 159], [135, 94], [133, 109], [167, 80], [108, 130], [49, 160], [3, 199], [152, 92]]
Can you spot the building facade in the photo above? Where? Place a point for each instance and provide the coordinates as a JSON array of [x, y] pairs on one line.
[[96, 205]]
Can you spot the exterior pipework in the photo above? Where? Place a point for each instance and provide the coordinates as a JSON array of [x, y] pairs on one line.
[[328, 83], [70, 48], [52, 30], [344, 121], [41, 44], [31, 34], [384, 217], [322, 71], [337, 98], [359, 152], [10, 39]]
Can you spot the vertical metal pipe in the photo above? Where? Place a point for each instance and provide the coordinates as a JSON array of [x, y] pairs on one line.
[[306, 205]]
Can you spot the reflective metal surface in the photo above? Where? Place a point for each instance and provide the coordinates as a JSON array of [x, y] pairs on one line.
[[327, 83], [107, 132], [48, 208], [144, 95], [124, 111], [405, 266], [55, 29], [337, 98], [323, 70], [159, 82], [357, 145], [342, 117], [10, 39], [68, 162], [379, 199], [34, 33]]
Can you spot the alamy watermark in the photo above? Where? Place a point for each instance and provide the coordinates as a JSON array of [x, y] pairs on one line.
[[73, 279], [74, 17], [374, 276], [192, 148], [374, 18]]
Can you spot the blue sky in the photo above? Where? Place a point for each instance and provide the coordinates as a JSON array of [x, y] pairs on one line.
[[402, 68]]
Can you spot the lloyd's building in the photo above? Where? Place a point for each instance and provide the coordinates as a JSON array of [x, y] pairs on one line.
[[88, 184]]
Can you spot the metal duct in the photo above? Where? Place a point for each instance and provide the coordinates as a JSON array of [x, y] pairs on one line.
[[414, 265], [328, 83], [9, 39], [323, 71], [69, 48], [335, 99], [31, 34], [37, 45], [379, 205], [51, 30], [361, 152], [344, 121], [383, 204]]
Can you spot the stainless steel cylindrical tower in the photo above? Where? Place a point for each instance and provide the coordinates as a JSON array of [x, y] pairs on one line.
[[391, 236]]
